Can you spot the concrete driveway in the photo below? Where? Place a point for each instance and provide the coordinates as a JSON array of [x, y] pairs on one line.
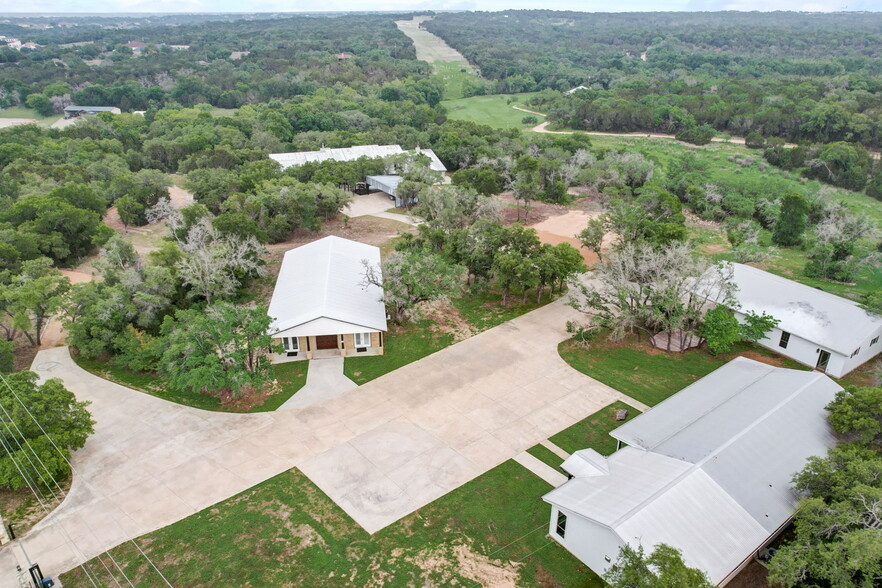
[[380, 451], [376, 204]]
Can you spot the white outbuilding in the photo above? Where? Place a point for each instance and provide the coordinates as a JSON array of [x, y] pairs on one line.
[[706, 471], [816, 328], [321, 306]]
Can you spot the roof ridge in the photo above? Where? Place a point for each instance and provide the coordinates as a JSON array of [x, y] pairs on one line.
[[710, 409], [817, 291], [712, 455]]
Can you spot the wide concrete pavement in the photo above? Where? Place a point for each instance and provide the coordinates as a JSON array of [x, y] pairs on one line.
[[380, 451]]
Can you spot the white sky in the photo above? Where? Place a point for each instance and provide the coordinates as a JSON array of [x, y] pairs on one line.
[[163, 6]]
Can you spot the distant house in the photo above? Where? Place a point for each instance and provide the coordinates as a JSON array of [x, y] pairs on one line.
[[320, 306], [707, 471], [178, 47], [343, 56], [136, 46], [816, 328], [384, 183], [239, 54], [576, 89], [74, 111]]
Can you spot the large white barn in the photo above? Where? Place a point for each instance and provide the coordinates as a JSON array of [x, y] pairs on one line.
[[816, 328], [321, 306], [707, 471]]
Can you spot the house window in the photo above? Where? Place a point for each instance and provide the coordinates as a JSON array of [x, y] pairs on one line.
[[561, 528], [291, 345], [785, 339], [362, 339], [856, 351], [874, 341]]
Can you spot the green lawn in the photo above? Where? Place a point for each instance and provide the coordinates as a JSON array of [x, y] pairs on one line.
[[547, 457], [593, 431], [485, 310], [291, 377], [454, 74], [649, 375], [404, 344], [493, 110], [287, 532]]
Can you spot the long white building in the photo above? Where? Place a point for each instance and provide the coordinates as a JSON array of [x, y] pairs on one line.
[[707, 471]]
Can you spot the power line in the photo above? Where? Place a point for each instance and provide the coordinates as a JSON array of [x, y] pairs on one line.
[[48, 486], [85, 480], [66, 536]]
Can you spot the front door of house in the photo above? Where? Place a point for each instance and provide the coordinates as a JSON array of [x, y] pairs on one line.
[[823, 360], [326, 342]]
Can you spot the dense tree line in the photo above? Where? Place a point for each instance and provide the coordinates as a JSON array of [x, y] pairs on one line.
[[278, 59], [803, 77]]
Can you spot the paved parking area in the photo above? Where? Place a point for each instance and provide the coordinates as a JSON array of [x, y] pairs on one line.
[[380, 451]]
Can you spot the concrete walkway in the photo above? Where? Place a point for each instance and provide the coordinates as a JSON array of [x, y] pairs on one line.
[[541, 469], [324, 380], [555, 449], [380, 451]]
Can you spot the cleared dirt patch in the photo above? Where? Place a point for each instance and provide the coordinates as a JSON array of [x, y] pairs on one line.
[[53, 336], [564, 228]]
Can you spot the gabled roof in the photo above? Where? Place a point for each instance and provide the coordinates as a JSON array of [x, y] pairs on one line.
[[708, 470], [814, 315], [320, 290], [351, 154]]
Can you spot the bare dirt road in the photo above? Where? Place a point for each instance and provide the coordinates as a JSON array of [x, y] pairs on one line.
[[429, 47]]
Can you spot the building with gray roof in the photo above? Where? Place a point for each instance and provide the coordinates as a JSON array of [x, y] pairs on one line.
[[816, 328], [707, 471]]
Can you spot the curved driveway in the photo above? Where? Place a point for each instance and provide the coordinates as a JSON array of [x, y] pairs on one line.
[[379, 451]]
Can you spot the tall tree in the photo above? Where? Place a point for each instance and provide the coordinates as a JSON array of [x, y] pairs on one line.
[[663, 568]]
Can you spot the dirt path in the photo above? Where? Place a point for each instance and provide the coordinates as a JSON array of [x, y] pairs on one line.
[[11, 122], [531, 112], [564, 228], [53, 336], [543, 128]]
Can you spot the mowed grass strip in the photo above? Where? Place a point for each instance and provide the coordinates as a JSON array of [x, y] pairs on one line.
[[651, 375], [548, 457], [286, 531]]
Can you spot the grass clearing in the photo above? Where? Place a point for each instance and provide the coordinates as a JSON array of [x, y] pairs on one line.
[[286, 531], [651, 375], [455, 74], [494, 110], [291, 377]]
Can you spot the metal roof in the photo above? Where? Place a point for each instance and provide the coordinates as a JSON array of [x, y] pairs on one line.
[[708, 470], [388, 184], [320, 291], [814, 315], [90, 108], [351, 154]]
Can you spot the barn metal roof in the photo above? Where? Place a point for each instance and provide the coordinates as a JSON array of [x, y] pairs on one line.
[[814, 315], [708, 470], [351, 154], [320, 291]]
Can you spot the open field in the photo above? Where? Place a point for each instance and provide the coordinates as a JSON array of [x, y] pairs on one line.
[[24, 114], [447, 62], [494, 110]]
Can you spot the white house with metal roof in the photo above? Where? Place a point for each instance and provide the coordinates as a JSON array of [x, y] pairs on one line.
[[816, 328], [321, 306], [351, 154], [706, 471]]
